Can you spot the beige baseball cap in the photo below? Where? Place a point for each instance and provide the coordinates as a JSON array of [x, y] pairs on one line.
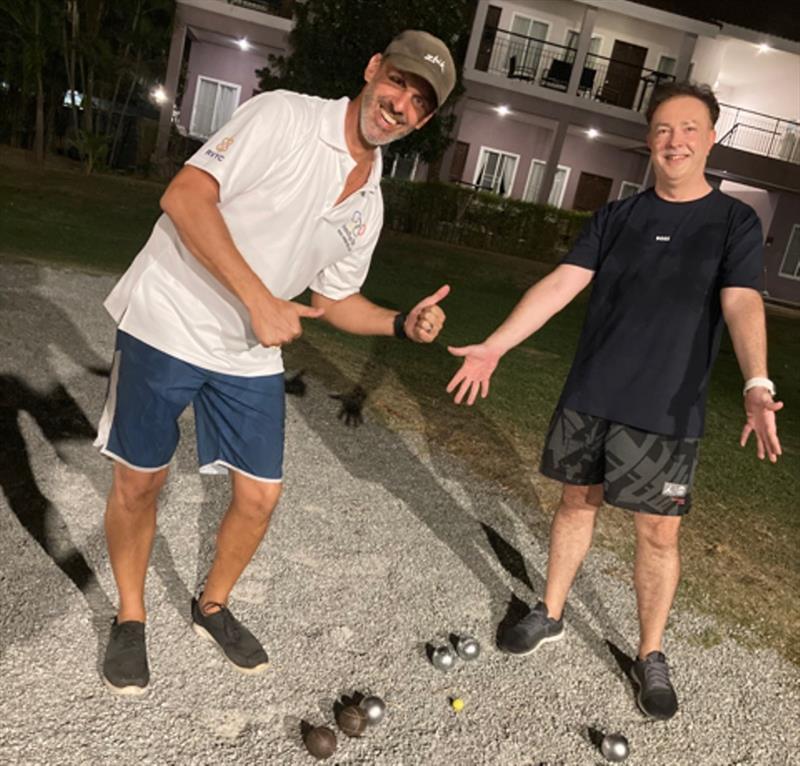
[[427, 56]]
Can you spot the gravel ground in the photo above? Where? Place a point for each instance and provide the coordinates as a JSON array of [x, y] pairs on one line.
[[380, 545]]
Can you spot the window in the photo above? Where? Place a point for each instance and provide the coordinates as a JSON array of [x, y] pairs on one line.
[[666, 65], [572, 43], [628, 189], [791, 258], [496, 171], [527, 43], [535, 182], [404, 168], [214, 103]]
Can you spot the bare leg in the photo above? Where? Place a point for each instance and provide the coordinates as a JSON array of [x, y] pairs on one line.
[[130, 524], [570, 539], [240, 533], [656, 575]]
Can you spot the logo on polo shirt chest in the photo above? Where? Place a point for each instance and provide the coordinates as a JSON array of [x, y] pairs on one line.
[[221, 148], [352, 230]]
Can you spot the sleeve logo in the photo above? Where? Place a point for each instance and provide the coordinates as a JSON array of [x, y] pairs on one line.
[[353, 229], [221, 147]]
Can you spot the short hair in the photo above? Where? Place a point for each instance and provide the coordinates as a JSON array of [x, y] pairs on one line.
[[669, 90]]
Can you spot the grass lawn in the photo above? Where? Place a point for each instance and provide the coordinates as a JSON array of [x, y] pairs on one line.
[[740, 542]]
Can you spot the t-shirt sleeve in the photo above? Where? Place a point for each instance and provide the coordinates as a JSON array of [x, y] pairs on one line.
[[587, 248], [743, 261], [243, 151], [346, 276]]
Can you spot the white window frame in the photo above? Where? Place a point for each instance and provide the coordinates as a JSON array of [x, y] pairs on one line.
[[598, 52], [628, 183], [515, 15], [781, 273], [661, 58], [414, 167], [536, 161], [480, 164], [214, 80]]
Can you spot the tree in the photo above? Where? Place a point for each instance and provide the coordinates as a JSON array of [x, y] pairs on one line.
[[332, 41]]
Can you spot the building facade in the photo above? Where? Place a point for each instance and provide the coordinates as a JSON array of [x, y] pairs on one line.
[[554, 102]]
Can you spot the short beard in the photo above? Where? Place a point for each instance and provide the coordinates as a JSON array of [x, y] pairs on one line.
[[367, 105]]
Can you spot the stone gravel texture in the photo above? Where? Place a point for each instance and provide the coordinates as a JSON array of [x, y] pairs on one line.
[[381, 544]]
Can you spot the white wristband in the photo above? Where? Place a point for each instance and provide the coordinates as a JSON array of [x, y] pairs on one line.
[[759, 383]]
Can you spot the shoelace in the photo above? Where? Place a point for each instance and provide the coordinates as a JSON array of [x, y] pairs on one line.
[[657, 673]]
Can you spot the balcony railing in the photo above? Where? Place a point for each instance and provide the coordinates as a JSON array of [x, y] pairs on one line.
[[759, 133], [282, 8], [549, 65]]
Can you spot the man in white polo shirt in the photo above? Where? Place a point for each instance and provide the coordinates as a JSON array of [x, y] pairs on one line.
[[284, 197]]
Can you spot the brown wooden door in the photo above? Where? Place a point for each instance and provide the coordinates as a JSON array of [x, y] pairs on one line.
[[592, 192], [487, 38], [460, 152], [624, 74]]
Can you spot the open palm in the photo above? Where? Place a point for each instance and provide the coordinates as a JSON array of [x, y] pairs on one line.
[[473, 377]]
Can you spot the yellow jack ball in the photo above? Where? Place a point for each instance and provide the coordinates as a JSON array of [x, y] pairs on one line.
[[457, 704]]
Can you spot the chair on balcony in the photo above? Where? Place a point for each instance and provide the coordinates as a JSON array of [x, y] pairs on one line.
[[557, 77], [519, 72]]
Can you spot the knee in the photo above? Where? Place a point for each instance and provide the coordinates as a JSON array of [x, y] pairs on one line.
[[256, 500], [580, 504], [136, 490], [657, 533]]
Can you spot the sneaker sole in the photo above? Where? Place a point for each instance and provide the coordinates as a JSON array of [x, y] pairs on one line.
[[206, 636], [548, 640], [126, 691], [639, 689]]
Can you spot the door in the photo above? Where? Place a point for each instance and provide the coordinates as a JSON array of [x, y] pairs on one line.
[[460, 152], [592, 192], [527, 43], [624, 74], [487, 38]]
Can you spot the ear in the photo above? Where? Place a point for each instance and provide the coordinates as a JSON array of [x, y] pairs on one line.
[[373, 66]]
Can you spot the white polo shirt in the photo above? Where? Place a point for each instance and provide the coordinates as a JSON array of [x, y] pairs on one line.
[[281, 163]]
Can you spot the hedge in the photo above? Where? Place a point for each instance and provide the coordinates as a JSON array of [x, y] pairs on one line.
[[480, 219]]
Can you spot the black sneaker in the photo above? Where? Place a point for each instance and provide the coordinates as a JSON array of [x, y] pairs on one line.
[[125, 668], [656, 695], [236, 642], [533, 630]]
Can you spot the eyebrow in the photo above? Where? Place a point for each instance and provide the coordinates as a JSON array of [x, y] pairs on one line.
[[684, 122]]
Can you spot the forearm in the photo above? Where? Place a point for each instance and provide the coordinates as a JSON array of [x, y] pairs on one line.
[[743, 310], [541, 302], [203, 231], [356, 314]]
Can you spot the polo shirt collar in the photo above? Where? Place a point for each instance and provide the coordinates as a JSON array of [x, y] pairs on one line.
[[332, 133]]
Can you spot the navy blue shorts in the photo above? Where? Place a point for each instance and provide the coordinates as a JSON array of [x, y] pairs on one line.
[[239, 420]]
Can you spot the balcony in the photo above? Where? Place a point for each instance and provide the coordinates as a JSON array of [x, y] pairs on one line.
[[759, 133], [282, 8], [549, 65]]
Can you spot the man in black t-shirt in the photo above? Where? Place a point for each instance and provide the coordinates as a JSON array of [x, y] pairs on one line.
[[667, 266]]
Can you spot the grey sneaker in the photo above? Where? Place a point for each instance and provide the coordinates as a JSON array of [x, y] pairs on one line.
[[533, 630], [125, 668], [240, 647], [656, 695]]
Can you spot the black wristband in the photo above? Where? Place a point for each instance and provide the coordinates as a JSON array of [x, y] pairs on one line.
[[399, 326]]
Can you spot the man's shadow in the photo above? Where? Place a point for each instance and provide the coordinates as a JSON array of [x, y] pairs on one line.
[[423, 494]]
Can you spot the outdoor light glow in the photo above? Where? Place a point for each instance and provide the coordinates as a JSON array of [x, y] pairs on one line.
[[592, 133], [764, 48], [243, 44], [502, 110], [159, 94]]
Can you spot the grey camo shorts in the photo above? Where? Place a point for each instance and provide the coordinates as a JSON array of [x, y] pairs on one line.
[[639, 471]]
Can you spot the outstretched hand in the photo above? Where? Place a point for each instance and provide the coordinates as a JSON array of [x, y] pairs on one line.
[[760, 410], [425, 321], [473, 377]]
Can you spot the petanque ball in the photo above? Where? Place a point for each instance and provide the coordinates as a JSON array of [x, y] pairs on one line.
[[468, 648], [443, 658], [352, 720], [321, 742], [375, 709], [614, 747]]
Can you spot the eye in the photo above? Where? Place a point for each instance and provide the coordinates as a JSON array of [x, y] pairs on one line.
[[396, 79]]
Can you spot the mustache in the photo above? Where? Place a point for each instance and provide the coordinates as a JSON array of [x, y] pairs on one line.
[[389, 109]]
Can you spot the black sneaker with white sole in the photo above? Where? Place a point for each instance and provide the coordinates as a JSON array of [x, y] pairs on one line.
[[533, 630], [125, 669], [655, 695], [240, 647]]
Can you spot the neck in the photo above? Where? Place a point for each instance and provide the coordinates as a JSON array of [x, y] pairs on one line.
[[359, 149], [682, 191]]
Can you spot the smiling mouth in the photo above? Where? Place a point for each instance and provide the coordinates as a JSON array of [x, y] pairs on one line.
[[391, 121]]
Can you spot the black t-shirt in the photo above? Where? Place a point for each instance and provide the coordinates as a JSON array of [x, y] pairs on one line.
[[654, 319]]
